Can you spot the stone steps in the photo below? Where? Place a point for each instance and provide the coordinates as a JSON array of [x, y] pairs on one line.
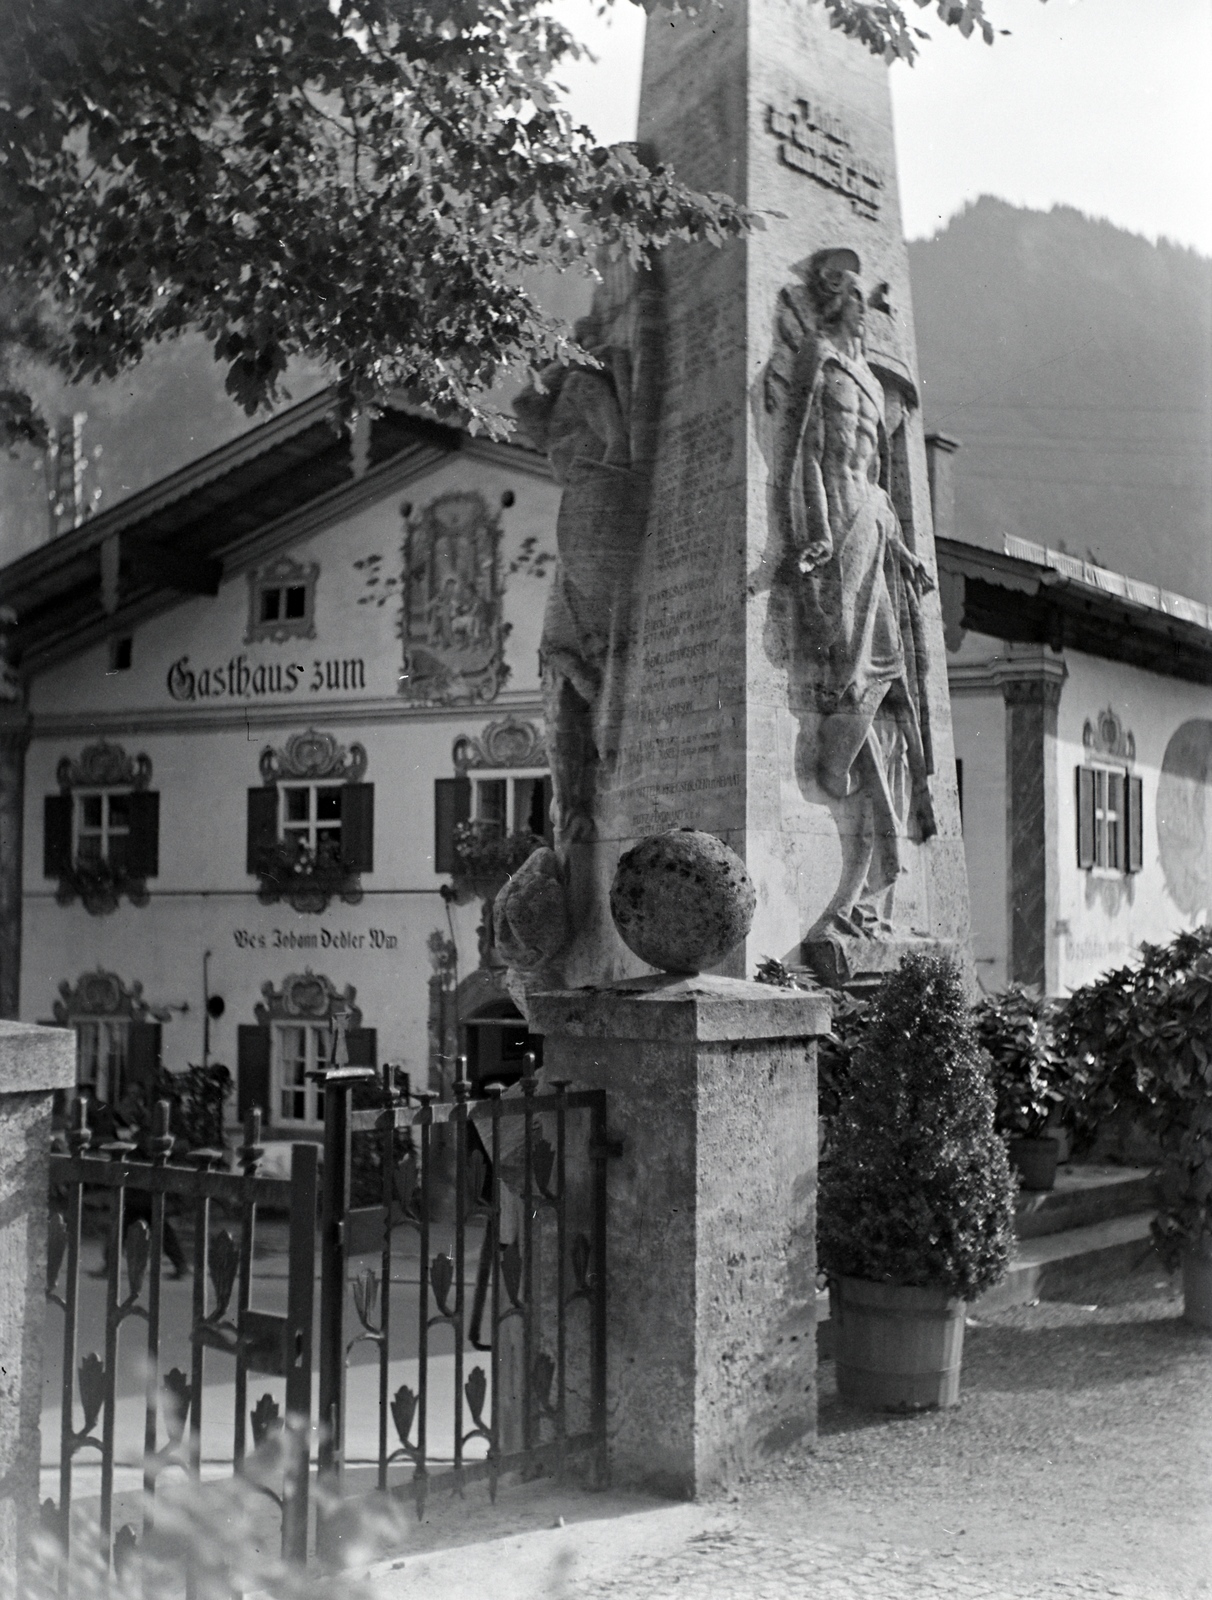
[[1096, 1218]]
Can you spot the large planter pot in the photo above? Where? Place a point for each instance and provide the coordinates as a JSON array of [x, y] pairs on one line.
[[1197, 1285], [896, 1348], [1035, 1161]]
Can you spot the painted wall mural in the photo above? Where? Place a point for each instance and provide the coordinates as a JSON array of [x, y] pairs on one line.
[[1184, 817], [450, 614]]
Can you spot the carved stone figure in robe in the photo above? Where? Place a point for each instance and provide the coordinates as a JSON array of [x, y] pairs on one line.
[[581, 417], [856, 586]]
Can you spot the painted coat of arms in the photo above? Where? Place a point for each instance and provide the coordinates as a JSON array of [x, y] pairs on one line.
[[450, 621]]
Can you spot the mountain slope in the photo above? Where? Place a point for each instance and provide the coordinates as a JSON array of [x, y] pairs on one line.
[[1073, 361]]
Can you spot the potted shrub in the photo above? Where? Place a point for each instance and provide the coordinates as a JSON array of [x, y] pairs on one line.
[[916, 1195], [1030, 1079]]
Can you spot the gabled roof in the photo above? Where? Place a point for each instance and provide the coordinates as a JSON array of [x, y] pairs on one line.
[[276, 482], [1030, 594]]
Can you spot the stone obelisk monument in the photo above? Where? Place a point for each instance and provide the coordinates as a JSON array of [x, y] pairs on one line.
[[777, 670]]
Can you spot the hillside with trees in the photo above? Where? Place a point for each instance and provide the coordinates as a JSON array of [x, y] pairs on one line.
[[1073, 361]]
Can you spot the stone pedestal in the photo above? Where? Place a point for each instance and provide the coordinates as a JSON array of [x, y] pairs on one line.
[[34, 1062], [711, 1270]]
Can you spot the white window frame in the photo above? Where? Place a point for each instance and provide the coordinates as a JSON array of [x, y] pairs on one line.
[[106, 832], [511, 776], [104, 1070], [1105, 818], [280, 586], [309, 830], [284, 1084]]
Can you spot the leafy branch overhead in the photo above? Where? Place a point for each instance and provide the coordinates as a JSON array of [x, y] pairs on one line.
[[365, 183]]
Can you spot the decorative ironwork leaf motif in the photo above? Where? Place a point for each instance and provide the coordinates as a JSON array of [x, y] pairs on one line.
[[542, 1161], [441, 1275], [476, 1390], [126, 1546], [541, 1375], [224, 1259], [56, 1247], [177, 1395], [92, 1389], [366, 1297], [581, 1256], [511, 1270], [403, 1409], [266, 1418], [138, 1253]]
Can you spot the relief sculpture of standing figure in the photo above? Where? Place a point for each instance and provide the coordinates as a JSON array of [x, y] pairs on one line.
[[856, 586], [592, 422]]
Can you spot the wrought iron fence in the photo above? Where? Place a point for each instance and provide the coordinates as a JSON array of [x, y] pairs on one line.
[[222, 1321], [529, 1178]]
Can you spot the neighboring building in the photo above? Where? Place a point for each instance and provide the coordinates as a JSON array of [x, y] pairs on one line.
[[252, 693], [1081, 702]]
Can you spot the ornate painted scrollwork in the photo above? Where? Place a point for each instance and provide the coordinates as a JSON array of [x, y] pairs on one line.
[[307, 996], [509, 743], [103, 994], [103, 766], [313, 756], [1107, 736]]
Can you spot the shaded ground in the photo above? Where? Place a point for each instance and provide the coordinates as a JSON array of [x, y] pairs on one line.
[[1079, 1462]]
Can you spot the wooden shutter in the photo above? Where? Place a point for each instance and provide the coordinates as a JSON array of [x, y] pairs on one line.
[[1085, 817], [56, 835], [1135, 825], [142, 1058], [252, 1070], [1115, 806], [262, 823], [143, 846], [362, 1044], [358, 827], [451, 805]]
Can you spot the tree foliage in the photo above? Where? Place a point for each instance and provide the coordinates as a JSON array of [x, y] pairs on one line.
[[361, 182]]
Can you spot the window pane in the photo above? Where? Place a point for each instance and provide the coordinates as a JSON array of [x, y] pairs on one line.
[[490, 801], [116, 853], [119, 811], [296, 601], [90, 810], [271, 600], [88, 847], [328, 842], [322, 1044], [328, 804], [86, 1051], [298, 805]]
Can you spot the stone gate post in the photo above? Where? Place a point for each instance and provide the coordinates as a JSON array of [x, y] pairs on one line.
[[711, 1250], [34, 1062]]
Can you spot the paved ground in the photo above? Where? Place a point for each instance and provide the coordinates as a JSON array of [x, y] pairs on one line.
[[1079, 1464]]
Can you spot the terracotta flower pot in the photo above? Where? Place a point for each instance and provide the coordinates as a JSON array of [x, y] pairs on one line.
[[1035, 1161], [897, 1348], [1197, 1284]]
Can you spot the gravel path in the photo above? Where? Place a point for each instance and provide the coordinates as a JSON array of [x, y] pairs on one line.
[[1079, 1463]]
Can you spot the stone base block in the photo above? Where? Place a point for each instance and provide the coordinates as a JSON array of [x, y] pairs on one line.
[[711, 1084]]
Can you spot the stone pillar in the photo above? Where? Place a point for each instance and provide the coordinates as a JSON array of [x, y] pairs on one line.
[[1032, 697], [14, 737], [34, 1062], [711, 1269]]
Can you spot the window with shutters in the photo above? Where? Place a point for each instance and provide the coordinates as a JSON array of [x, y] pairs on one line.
[[101, 1046], [311, 822], [101, 831], [1109, 820], [295, 1036], [117, 1034]]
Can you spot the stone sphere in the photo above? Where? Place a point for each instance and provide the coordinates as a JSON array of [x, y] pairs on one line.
[[682, 900]]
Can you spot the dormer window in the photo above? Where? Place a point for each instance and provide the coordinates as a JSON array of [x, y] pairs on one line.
[[282, 601]]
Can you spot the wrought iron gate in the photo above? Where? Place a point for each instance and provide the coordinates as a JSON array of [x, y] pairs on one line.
[[256, 1341], [529, 1175]]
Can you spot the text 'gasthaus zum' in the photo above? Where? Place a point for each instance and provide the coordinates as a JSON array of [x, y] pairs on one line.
[[242, 679]]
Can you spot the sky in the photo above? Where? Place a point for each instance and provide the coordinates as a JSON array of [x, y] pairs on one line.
[[1105, 105]]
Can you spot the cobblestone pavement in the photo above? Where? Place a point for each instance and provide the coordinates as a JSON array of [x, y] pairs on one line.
[[1078, 1464]]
